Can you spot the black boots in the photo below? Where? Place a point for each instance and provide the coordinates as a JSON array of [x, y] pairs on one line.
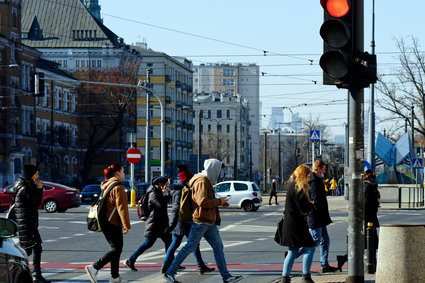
[[40, 279], [307, 278], [285, 279], [205, 269], [341, 259]]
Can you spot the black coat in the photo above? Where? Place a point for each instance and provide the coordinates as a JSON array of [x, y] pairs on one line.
[[295, 230], [180, 228], [372, 197], [27, 200], [319, 216], [158, 217]]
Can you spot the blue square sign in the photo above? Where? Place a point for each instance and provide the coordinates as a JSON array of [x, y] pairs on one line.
[[315, 135]]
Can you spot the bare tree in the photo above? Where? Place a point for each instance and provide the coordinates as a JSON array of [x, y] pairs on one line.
[[404, 89]]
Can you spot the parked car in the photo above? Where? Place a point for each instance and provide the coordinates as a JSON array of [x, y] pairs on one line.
[[240, 194], [56, 197], [14, 265], [90, 193]]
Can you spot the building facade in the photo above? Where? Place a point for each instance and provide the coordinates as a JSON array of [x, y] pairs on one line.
[[238, 79], [224, 127]]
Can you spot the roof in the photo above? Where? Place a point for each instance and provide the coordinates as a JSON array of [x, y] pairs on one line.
[[64, 24], [52, 67]]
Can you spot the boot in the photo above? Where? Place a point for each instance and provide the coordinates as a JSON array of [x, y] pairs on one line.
[[205, 269], [38, 278], [341, 259], [307, 278], [285, 279]]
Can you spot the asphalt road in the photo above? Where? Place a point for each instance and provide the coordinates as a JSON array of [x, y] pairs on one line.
[[247, 236]]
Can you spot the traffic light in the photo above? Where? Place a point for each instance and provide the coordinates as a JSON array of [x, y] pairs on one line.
[[418, 152], [337, 34], [38, 84]]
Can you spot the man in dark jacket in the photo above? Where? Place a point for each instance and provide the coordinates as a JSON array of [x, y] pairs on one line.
[[319, 217], [29, 192], [273, 193]]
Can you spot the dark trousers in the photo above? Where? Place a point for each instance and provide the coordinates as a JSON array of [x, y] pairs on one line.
[[36, 259], [113, 234], [148, 243], [271, 197]]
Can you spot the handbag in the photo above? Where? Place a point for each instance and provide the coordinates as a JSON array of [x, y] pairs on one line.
[[278, 237]]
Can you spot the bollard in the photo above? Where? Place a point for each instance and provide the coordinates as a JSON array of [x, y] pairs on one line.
[[371, 249], [401, 254]]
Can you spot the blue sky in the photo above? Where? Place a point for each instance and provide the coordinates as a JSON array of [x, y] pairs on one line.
[[287, 30]]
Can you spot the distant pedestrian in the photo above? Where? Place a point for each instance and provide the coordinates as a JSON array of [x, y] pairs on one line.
[[372, 202], [206, 218], [29, 193], [116, 223], [341, 186], [295, 229], [177, 228], [157, 221], [273, 193], [333, 186], [319, 217]]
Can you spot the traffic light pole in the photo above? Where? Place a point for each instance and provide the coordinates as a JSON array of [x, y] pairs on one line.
[[356, 157]]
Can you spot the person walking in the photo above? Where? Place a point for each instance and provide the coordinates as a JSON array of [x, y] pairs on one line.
[[114, 223], [157, 220], [177, 228], [273, 193], [206, 218], [372, 203], [29, 193], [295, 229], [319, 217]]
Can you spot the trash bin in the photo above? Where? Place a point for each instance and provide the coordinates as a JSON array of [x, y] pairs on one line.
[[401, 254]]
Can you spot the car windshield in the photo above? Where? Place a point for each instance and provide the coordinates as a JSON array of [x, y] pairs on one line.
[[255, 187], [91, 189]]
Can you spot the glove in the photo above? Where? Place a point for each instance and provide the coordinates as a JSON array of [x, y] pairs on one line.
[[168, 230]]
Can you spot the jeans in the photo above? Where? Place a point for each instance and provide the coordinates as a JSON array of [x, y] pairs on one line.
[[212, 236], [113, 235], [293, 253], [175, 244], [148, 243], [321, 237]]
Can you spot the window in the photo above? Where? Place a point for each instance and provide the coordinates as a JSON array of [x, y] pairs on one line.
[[209, 114], [228, 72], [65, 100], [99, 63], [77, 63], [222, 188], [228, 82], [219, 128], [228, 114], [240, 187], [209, 128], [15, 17], [219, 115], [228, 128]]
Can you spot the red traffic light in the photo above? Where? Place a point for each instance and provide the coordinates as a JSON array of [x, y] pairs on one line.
[[336, 8]]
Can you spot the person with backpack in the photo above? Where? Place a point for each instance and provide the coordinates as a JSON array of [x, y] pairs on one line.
[[114, 222], [206, 218], [29, 193], [156, 221], [179, 228]]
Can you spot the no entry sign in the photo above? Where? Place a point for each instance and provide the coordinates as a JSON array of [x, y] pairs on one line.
[[134, 155]]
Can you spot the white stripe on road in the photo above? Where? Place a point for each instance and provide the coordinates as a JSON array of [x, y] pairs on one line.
[[249, 228]]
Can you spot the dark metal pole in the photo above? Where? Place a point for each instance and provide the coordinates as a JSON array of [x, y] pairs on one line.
[[413, 127], [201, 113], [356, 148], [279, 160], [147, 133], [371, 139], [235, 164], [265, 162]]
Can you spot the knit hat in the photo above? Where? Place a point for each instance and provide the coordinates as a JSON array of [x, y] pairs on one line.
[[160, 180], [185, 176], [29, 171]]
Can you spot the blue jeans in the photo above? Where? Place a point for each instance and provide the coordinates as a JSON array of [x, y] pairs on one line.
[[212, 236], [293, 253], [175, 244], [321, 237], [148, 243]]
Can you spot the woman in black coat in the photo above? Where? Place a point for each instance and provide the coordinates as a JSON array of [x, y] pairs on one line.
[[157, 220], [296, 235], [29, 193], [372, 202]]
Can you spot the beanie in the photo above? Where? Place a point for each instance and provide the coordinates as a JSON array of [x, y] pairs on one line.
[[29, 171], [160, 180], [185, 176]]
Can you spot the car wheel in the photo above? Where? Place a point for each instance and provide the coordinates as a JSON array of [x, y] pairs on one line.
[[248, 206], [256, 208], [61, 210], [23, 277], [50, 206]]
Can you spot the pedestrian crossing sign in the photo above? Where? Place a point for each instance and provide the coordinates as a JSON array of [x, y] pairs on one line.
[[315, 135], [417, 163]]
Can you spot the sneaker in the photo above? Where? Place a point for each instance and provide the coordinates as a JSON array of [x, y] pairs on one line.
[[329, 269], [205, 269], [170, 278], [180, 268], [232, 279], [91, 272], [307, 278], [130, 265], [40, 279], [118, 280], [164, 268]]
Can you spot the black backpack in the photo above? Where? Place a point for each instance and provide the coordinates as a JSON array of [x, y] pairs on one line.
[[143, 207], [96, 215]]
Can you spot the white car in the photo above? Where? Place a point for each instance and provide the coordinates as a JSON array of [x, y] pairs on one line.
[[240, 194]]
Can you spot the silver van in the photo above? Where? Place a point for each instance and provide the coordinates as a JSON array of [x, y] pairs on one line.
[[240, 194]]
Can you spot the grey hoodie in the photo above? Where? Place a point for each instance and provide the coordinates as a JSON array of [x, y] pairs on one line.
[[212, 169]]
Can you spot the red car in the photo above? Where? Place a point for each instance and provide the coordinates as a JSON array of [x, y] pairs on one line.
[[56, 197]]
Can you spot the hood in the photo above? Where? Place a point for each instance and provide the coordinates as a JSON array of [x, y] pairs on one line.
[[106, 183], [212, 169]]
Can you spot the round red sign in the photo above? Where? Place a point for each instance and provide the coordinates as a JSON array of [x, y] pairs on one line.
[[134, 155]]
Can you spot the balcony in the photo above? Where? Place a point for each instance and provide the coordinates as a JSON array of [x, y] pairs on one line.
[[179, 84]]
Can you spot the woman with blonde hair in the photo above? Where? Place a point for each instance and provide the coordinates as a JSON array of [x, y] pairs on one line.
[[296, 235]]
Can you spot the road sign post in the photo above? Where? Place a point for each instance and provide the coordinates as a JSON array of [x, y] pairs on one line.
[[314, 136], [133, 156]]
